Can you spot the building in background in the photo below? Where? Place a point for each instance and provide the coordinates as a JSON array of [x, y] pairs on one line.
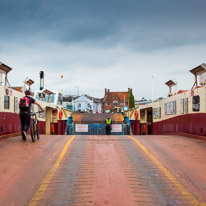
[[67, 101], [116, 101], [87, 104]]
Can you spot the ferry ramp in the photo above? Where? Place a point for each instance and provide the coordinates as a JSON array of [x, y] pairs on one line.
[[103, 170]]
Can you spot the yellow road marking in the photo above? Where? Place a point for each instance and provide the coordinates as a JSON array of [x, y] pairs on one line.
[[169, 175], [47, 179]]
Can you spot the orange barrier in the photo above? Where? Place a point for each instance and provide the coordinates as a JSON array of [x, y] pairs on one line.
[[52, 129], [144, 129], [136, 115], [60, 114]]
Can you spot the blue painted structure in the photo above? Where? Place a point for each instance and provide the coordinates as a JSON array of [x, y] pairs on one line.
[[127, 121], [94, 129]]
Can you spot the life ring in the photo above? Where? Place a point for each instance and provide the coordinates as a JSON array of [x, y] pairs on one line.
[[60, 114], [136, 115]]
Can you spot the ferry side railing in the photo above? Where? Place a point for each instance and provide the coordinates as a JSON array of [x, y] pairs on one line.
[[94, 129]]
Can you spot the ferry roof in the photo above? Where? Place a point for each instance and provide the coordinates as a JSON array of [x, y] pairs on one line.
[[5, 68], [199, 69]]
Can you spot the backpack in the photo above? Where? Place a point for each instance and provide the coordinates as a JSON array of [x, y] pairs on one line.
[[24, 104]]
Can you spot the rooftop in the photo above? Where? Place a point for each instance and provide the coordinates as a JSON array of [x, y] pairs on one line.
[[119, 96]]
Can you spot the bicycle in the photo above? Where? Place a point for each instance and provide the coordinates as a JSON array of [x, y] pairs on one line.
[[34, 127]]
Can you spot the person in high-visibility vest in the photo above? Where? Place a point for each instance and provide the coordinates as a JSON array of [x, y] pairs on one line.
[[108, 125]]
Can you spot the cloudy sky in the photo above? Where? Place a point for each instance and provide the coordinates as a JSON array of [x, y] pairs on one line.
[[97, 44]]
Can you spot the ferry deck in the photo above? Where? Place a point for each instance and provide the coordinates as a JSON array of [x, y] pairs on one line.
[[116, 170]]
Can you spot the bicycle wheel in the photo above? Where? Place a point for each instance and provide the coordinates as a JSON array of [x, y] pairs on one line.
[[32, 132], [37, 131]]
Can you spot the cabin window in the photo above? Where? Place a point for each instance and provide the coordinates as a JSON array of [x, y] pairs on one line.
[[170, 108], [16, 105], [6, 102], [52, 98], [196, 103], [157, 113], [47, 98], [182, 106], [185, 105], [60, 99], [122, 104], [79, 105], [115, 103]]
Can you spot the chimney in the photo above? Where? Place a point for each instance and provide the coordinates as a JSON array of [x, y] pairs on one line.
[[105, 91], [108, 90], [128, 89]]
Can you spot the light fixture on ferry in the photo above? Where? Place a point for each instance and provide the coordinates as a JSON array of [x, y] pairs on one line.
[[201, 72], [28, 82], [170, 84], [4, 70]]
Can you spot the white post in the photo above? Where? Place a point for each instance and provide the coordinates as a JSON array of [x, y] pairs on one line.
[[152, 88]]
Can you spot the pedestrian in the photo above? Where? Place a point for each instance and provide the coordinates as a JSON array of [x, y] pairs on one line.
[[108, 125], [25, 110]]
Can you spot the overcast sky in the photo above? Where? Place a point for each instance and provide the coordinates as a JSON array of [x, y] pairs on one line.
[[97, 44]]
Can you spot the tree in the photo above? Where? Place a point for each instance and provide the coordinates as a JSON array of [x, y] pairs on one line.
[[131, 99]]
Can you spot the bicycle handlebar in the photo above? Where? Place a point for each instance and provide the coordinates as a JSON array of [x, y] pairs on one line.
[[34, 113]]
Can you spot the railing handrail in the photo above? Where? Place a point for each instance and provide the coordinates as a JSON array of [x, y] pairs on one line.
[[94, 129]]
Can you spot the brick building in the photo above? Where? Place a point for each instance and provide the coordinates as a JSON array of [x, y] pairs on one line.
[[114, 100]]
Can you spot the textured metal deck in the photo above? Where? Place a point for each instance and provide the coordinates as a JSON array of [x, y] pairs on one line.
[[103, 170]]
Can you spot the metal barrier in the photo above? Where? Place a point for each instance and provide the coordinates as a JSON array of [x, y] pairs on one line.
[[94, 129]]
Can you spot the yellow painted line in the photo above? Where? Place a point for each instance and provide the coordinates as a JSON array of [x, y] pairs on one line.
[[44, 184], [169, 175]]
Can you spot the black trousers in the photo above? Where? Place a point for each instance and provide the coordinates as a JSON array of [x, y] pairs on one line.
[[25, 121], [108, 129]]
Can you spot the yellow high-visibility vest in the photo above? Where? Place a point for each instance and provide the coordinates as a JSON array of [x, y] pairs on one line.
[[108, 121]]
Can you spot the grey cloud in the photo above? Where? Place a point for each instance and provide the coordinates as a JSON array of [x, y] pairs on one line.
[[134, 24]]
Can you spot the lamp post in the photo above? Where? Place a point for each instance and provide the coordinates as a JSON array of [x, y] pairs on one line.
[[77, 87], [152, 88], [41, 80]]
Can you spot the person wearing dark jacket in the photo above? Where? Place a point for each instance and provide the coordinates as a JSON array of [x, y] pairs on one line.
[[25, 110], [108, 125]]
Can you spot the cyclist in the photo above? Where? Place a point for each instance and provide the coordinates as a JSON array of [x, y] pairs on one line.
[[24, 114]]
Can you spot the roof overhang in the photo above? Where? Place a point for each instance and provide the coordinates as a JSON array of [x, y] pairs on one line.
[[199, 69], [170, 83], [48, 92], [51, 106], [4, 68]]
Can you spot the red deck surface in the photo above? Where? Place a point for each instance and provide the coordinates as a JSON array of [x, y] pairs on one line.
[[102, 170]]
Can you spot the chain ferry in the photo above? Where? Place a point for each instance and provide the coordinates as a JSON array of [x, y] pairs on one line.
[[181, 112]]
